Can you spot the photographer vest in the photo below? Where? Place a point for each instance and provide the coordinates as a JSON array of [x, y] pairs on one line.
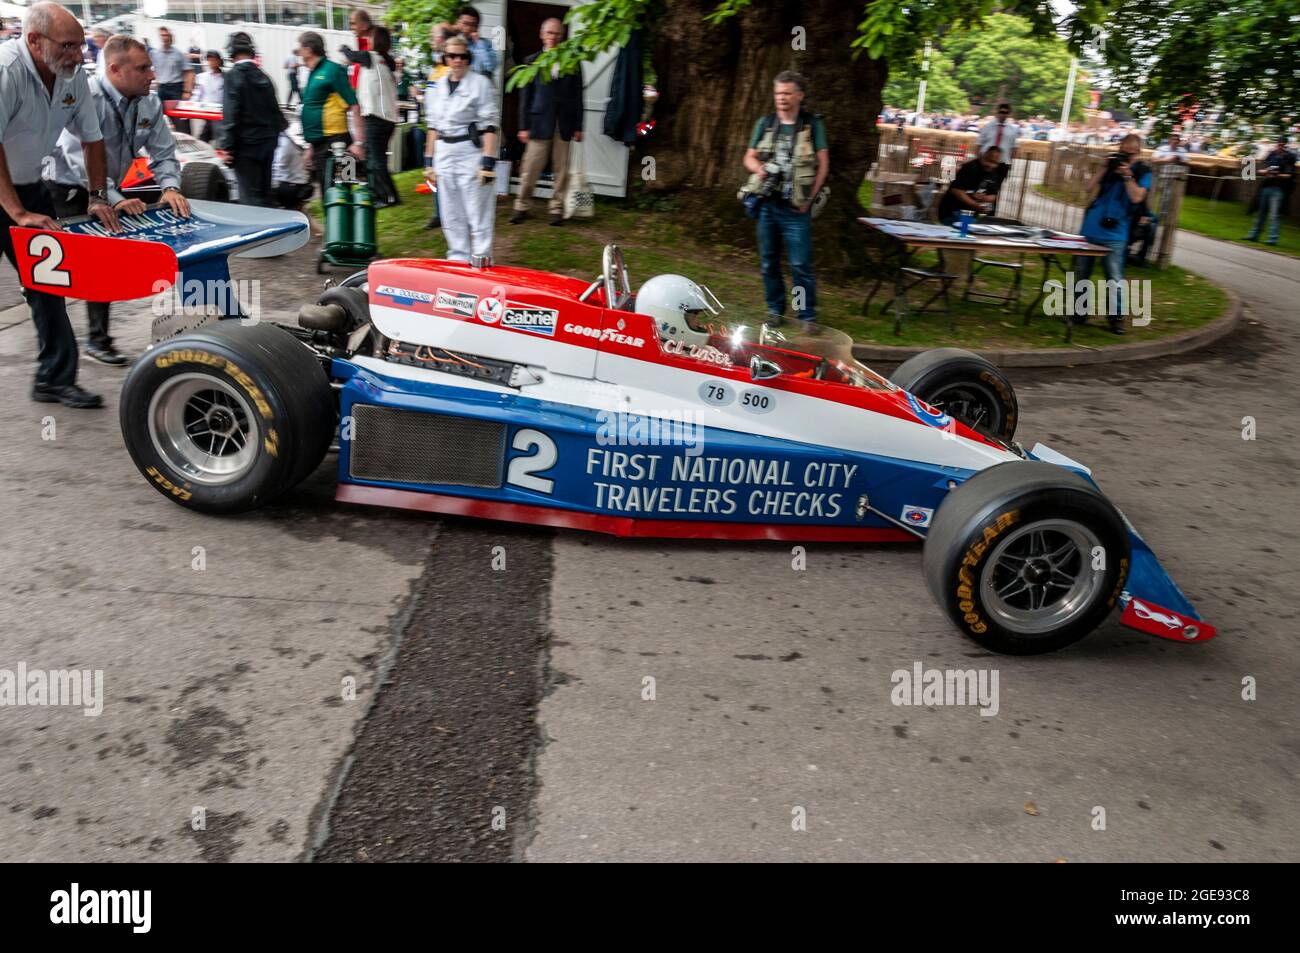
[[803, 171]]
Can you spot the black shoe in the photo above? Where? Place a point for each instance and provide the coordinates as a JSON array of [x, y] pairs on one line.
[[70, 395], [433, 223], [518, 217], [106, 355], [774, 320], [1117, 327], [557, 219]]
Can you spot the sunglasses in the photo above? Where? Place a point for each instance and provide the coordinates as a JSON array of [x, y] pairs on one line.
[[455, 56]]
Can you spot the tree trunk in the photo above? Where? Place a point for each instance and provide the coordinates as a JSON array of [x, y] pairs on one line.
[[715, 82]]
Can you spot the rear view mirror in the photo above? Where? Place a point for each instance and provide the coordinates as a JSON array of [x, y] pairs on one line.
[[761, 370]]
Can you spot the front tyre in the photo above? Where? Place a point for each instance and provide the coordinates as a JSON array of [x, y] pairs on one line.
[[964, 386], [1026, 557], [227, 417]]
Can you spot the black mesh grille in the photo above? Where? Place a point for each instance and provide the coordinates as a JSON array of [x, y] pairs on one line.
[[407, 446]]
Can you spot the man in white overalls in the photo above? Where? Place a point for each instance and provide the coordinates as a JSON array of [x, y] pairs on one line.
[[460, 154]]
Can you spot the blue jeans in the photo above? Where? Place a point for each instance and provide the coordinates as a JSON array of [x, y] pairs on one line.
[[1112, 266], [780, 225], [1270, 204]]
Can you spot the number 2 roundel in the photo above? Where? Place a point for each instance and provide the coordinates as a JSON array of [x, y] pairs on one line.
[[47, 254], [92, 267]]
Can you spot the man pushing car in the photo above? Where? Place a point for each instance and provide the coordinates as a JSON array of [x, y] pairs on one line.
[[131, 118], [42, 92]]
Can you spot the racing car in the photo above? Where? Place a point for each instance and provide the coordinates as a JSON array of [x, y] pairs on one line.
[[512, 394]]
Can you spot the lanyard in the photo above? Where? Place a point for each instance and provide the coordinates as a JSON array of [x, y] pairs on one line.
[[128, 135]]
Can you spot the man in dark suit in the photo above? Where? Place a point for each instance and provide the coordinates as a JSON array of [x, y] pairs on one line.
[[550, 114]]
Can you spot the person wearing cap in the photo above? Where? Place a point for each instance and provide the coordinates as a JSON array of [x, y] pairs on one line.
[[131, 119], [43, 91], [460, 154], [210, 89], [251, 122], [1276, 179]]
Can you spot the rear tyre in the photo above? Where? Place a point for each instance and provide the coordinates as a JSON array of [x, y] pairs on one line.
[[204, 181], [964, 386], [1026, 557], [225, 418]]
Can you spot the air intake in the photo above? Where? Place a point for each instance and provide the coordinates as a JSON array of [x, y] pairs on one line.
[[408, 446]]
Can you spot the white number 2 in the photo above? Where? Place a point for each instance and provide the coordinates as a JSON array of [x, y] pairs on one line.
[[522, 468], [46, 271]]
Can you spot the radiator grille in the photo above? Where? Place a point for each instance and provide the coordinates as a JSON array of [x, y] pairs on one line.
[[407, 446]]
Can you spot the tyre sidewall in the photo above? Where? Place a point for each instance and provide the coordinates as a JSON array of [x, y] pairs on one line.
[[196, 355], [928, 373]]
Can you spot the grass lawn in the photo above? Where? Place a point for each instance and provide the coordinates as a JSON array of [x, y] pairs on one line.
[[661, 241], [1222, 220], [1228, 221]]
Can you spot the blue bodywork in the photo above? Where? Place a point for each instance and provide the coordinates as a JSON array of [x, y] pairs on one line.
[[695, 478]]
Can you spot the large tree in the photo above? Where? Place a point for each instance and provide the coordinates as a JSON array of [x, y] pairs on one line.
[[1238, 56], [1001, 60], [715, 60], [942, 92]]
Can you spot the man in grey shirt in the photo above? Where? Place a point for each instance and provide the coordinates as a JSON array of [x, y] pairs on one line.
[[42, 92], [131, 120], [175, 74]]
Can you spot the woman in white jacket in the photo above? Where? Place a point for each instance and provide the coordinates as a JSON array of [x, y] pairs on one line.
[[460, 153], [377, 96]]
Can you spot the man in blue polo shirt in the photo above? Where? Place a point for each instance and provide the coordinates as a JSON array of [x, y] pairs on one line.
[[1121, 183]]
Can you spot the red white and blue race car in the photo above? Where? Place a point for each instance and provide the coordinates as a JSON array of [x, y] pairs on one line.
[[511, 394]]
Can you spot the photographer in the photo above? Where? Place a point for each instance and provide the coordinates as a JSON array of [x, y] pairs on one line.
[[788, 163], [1121, 183], [975, 187], [1275, 181]]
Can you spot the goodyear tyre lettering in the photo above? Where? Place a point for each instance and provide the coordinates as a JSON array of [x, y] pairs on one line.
[[965, 575], [176, 491]]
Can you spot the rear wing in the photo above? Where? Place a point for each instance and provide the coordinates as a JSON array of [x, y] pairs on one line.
[[189, 109], [155, 251]]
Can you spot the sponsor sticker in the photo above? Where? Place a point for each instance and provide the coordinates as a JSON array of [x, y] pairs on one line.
[[489, 310], [917, 515], [457, 302], [604, 334], [404, 296], [927, 414], [536, 320]]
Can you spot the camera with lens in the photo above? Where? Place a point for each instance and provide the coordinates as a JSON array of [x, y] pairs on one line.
[[770, 185]]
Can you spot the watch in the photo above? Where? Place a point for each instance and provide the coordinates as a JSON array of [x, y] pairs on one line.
[[97, 196]]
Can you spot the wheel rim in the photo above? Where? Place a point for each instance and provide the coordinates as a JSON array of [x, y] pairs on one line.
[[204, 429], [974, 404], [1040, 577]]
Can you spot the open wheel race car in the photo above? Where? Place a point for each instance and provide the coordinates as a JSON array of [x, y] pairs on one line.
[[512, 394]]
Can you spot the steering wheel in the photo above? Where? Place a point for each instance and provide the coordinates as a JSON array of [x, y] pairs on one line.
[[614, 279]]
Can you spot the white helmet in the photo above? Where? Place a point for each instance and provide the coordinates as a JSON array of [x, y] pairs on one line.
[[674, 301]]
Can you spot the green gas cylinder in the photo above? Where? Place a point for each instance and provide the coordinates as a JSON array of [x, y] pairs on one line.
[[338, 216], [363, 219]]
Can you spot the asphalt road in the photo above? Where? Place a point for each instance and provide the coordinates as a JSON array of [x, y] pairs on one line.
[[502, 713]]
